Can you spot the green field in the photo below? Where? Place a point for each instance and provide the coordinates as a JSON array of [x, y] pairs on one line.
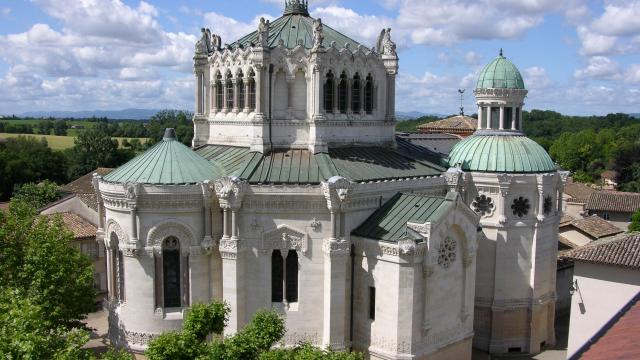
[[57, 142]]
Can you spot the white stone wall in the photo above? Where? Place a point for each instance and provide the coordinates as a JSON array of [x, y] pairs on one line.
[[602, 290]]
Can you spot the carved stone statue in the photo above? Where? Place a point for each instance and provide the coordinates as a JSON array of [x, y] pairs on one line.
[[318, 35], [203, 46], [216, 42], [263, 32], [385, 45]]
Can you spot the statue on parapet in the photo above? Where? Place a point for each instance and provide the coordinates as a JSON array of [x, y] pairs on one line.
[[318, 35], [263, 32], [385, 45]]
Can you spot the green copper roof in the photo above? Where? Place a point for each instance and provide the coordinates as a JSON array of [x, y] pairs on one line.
[[501, 153], [231, 158], [295, 27], [167, 162], [389, 223], [500, 73]]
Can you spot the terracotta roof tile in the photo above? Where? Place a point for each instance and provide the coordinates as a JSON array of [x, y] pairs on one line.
[[609, 174], [80, 227], [622, 250], [614, 201], [594, 226], [578, 192], [457, 123], [618, 339], [83, 188]]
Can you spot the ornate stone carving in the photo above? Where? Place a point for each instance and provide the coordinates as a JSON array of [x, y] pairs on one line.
[[453, 177], [114, 227], [447, 252], [407, 246], [335, 191], [315, 224], [171, 228], [230, 190], [285, 238], [336, 247], [229, 248], [520, 206], [422, 229], [318, 36], [483, 205], [204, 46], [384, 44], [263, 33]]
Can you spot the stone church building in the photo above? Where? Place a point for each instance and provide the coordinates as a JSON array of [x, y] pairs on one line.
[[297, 196]]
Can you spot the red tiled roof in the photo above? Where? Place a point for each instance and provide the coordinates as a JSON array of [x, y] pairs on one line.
[[83, 188], [614, 201], [623, 250], [594, 226], [80, 227], [609, 175], [618, 339], [578, 191], [454, 123]]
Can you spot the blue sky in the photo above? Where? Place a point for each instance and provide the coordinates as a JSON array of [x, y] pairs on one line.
[[576, 56]]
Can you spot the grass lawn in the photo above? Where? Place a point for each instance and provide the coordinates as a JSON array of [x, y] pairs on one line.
[[58, 142]]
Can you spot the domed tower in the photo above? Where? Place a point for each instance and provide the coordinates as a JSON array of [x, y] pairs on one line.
[[514, 185]]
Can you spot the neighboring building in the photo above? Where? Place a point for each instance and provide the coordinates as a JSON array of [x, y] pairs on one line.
[[439, 143], [614, 206], [575, 198], [609, 179], [459, 125], [583, 231], [84, 234], [606, 278], [299, 197], [79, 208]]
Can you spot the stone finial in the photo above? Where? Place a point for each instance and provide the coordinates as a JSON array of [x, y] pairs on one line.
[[318, 35], [169, 134], [263, 33]]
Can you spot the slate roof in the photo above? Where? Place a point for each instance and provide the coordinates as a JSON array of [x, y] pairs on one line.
[[295, 27], [81, 228], [578, 192], [502, 154], [389, 223], [167, 162], [618, 338], [594, 226], [300, 166], [613, 201], [457, 123], [622, 251], [443, 141]]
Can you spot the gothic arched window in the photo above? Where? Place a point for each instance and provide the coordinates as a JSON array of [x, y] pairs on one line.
[[355, 94], [328, 93], [171, 272], [241, 91], [277, 276], [219, 92], [252, 91], [342, 93], [292, 276], [229, 91], [368, 95]]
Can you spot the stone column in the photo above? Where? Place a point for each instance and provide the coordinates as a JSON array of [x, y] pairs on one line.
[[235, 95], [198, 91], [335, 309], [317, 105], [501, 117], [258, 80], [225, 223], [480, 108], [245, 81], [224, 95], [541, 214], [520, 118], [290, 84], [214, 94], [334, 225], [488, 117], [134, 225], [513, 117]]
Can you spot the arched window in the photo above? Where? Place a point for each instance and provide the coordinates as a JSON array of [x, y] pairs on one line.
[[117, 269], [328, 93], [229, 91], [171, 272], [241, 91], [252, 91], [368, 95], [277, 276], [292, 276], [342, 93], [219, 92], [355, 93]]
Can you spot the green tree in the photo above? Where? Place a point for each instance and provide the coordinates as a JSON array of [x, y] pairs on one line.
[[635, 221], [93, 148], [60, 128], [179, 120], [38, 195]]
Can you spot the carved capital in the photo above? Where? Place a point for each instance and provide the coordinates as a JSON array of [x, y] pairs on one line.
[[229, 248], [336, 190], [337, 248], [230, 190]]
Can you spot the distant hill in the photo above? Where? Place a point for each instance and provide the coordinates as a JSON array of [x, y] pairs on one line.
[[408, 115], [130, 114], [635, 115]]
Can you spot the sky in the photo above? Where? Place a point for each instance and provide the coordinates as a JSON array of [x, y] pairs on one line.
[[577, 57]]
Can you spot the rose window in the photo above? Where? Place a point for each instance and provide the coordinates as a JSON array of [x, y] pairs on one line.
[[546, 206], [482, 204], [520, 206], [447, 252]]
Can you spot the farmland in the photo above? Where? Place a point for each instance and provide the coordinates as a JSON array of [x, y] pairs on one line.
[[59, 142]]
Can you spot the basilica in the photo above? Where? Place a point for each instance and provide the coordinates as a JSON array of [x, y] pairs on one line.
[[297, 196]]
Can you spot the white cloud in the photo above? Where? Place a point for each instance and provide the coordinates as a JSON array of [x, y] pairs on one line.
[[364, 28], [472, 58], [632, 75], [5, 11], [599, 67], [594, 43], [536, 78], [619, 19]]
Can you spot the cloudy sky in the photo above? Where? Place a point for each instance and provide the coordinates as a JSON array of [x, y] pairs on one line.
[[576, 56]]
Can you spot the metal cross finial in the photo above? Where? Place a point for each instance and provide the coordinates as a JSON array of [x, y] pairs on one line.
[[461, 91], [500, 51]]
